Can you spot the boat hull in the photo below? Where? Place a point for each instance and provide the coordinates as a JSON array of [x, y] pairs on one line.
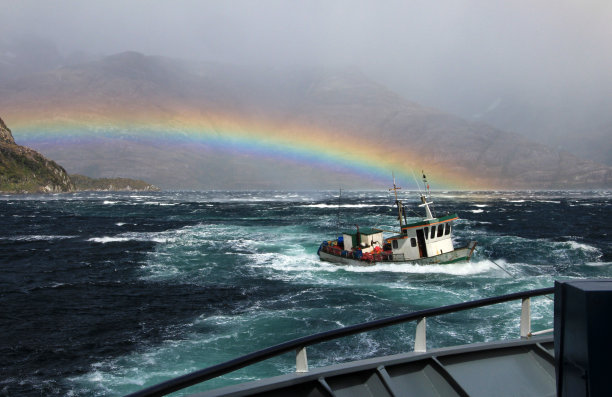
[[462, 254]]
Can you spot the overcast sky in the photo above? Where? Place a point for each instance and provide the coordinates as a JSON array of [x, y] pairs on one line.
[[458, 55]]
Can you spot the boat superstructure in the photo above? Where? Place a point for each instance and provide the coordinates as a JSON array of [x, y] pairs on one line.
[[427, 241]]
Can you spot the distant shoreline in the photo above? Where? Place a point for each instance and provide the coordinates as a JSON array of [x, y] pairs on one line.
[[88, 184]]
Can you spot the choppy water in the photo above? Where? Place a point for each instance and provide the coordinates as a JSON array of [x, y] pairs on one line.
[[103, 294]]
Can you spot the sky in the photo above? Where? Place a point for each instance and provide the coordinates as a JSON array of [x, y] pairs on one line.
[[465, 57]]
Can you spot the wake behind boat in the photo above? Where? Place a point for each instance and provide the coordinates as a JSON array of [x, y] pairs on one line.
[[428, 241]]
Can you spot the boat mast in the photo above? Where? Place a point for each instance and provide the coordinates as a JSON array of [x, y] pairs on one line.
[[338, 220], [395, 188], [424, 199]]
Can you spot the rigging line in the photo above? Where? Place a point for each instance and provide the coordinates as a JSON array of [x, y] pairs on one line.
[[495, 263], [506, 271], [511, 275]]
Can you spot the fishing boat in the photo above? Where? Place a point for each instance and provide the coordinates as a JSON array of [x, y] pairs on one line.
[[426, 241]]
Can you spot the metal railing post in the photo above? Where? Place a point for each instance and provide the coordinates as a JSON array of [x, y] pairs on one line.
[[526, 318], [420, 340], [301, 361]]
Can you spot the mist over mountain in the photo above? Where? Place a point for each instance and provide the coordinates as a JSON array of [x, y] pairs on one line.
[[540, 71], [580, 124], [20, 56], [329, 99]]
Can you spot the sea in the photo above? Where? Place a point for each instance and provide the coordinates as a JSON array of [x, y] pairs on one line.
[[103, 294]]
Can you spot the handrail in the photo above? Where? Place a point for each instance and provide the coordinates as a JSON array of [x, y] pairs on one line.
[[205, 374]]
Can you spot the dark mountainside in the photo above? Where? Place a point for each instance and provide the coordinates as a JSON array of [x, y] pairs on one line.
[[23, 170], [335, 100]]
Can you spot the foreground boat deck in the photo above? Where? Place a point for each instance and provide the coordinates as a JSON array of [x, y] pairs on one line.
[[509, 368], [534, 365], [520, 367]]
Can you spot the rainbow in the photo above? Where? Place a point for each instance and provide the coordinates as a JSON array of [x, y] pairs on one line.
[[323, 148]]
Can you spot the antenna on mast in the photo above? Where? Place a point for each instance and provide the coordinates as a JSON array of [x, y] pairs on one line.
[[395, 188], [416, 182], [423, 199]]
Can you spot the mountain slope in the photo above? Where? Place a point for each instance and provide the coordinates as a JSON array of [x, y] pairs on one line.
[[24, 170], [97, 97], [505, 159]]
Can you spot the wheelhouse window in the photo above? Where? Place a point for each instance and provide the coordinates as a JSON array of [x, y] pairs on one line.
[[395, 244], [433, 232], [440, 230], [447, 228], [413, 242], [426, 233]]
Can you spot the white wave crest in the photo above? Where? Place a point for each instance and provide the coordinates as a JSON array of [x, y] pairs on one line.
[[107, 239], [291, 265], [598, 264], [305, 265], [154, 237], [343, 205], [458, 269], [36, 237], [581, 246]]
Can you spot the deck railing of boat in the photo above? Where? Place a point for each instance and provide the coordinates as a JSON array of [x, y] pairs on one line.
[[299, 345]]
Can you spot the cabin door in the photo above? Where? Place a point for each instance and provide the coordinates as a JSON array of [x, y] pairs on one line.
[[421, 242]]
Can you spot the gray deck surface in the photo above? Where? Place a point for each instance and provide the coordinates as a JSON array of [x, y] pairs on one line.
[[508, 368]]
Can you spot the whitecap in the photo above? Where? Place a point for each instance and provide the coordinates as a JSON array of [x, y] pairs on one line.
[[457, 269], [289, 264], [343, 205], [598, 264], [581, 246], [156, 237], [107, 239], [37, 238], [304, 266]]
